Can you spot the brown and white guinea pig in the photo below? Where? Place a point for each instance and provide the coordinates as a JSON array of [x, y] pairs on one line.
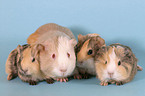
[[85, 51], [116, 64], [21, 63], [54, 52]]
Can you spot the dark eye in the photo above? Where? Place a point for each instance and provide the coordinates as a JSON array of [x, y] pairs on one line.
[[119, 63], [68, 55], [106, 62], [33, 59], [53, 56], [90, 52]]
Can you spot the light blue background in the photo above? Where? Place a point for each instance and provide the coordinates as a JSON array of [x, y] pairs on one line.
[[117, 21]]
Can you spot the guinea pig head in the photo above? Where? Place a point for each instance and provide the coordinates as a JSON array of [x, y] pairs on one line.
[[112, 63], [57, 57], [66, 57], [86, 48]]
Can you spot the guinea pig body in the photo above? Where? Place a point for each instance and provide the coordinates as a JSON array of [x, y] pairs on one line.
[[85, 51], [58, 60], [50, 30], [115, 64]]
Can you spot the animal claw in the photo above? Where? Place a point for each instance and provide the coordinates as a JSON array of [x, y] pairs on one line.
[[50, 81], [119, 83], [104, 83], [77, 76], [62, 79], [86, 76], [32, 82]]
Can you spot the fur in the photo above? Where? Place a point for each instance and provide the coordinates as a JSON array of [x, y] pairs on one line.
[[65, 62], [47, 56], [47, 31], [107, 67], [85, 62]]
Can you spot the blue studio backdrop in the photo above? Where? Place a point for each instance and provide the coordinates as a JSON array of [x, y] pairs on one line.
[[117, 21]]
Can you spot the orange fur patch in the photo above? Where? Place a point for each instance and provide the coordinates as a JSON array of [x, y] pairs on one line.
[[32, 38], [82, 55]]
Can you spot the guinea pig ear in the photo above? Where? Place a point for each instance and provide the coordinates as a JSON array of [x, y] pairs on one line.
[[80, 37], [73, 42], [127, 52], [36, 50], [47, 44], [100, 42], [19, 47]]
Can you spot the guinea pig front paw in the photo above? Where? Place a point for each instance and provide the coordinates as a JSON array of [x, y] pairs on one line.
[[78, 76], [119, 83], [103, 83], [11, 76], [86, 76], [50, 81], [62, 79], [31, 82]]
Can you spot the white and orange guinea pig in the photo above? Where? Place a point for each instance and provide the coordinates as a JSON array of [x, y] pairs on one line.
[[49, 56], [85, 52], [115, 64]]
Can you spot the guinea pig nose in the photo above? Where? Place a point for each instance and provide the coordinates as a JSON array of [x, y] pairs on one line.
[[110, 73], [81, 62], [63, 70]]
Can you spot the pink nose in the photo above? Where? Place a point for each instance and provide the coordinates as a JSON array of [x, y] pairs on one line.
[[63, 70]]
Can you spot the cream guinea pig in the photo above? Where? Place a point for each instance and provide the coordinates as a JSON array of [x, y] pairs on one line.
[[115, 64], [85, 52], [52, 48], [60, 44]]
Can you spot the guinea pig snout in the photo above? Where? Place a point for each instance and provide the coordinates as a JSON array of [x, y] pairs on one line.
[[80, 62], [110, 74]]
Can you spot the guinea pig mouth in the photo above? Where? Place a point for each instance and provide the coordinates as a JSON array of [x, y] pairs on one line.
[[63, 74], [79, 64]]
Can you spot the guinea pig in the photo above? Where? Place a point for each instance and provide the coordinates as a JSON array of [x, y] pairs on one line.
[[85, 52], [61, 43], [21, 63], [115, 64]]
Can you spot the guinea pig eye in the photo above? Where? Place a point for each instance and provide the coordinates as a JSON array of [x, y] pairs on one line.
[[53, 56], [68, 55], [33, 59], [119, 63], [106, 62], [90, 52]]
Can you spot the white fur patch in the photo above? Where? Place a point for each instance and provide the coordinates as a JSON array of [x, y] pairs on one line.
[[111, 66], [89, 66], [65, 62]]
